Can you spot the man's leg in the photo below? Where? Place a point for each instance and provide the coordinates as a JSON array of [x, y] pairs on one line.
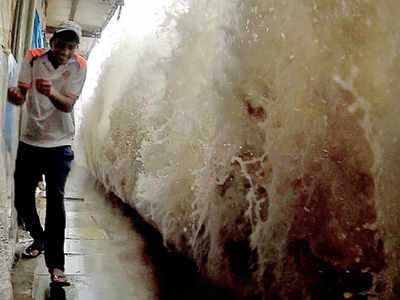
[[56, 172], [26, 176]]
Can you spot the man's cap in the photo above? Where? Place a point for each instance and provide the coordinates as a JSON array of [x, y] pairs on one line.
[[70, 26]]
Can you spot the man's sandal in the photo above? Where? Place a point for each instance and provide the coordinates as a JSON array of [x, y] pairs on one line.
[[33, 250], [59, 280]]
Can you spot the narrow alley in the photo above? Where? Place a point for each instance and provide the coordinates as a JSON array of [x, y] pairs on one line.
[[105, 254], [111, 253], [222, 149]]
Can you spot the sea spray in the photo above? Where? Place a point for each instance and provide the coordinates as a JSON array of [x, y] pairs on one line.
[[260, 138]]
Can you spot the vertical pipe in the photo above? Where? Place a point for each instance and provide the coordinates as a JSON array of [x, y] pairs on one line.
[[16, 29], [23, 28], [73, 9], [29, 26]]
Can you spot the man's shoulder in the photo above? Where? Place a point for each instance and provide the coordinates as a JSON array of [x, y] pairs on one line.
[[81, 62], [35, 53]]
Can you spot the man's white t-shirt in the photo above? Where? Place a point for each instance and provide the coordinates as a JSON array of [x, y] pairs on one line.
[[43, 124]]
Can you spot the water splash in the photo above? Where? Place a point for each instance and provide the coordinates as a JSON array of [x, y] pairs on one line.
[[257, 136]]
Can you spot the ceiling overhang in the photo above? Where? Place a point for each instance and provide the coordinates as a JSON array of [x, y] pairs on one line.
[[92, 15]]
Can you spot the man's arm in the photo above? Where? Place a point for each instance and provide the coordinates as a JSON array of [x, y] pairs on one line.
[[62, 102], [17, 95]]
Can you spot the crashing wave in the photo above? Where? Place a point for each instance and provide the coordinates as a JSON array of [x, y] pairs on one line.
[[260, 138]]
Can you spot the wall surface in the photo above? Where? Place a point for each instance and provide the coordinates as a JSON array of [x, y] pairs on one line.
[[7, 221], [8, 225], [9, 126], [7, 214], [6, 21]]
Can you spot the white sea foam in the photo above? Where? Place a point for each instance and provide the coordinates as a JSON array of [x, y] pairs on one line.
[[257, 132]]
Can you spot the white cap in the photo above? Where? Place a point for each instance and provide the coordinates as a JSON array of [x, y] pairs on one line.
[[70, 26]]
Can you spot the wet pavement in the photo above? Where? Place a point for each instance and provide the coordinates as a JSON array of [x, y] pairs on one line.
[[105, 254]]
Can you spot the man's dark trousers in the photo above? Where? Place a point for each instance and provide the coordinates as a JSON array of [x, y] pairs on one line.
[[55, 164]]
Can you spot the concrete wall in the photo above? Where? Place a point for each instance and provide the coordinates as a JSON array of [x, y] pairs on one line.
[[7, 214], [7, 9], [16, 23]]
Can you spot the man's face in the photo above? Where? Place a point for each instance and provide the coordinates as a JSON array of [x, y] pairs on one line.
[[62, 50]]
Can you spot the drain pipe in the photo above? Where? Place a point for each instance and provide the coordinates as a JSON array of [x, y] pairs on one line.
[[17, 28], [29, 26], [23, 28]]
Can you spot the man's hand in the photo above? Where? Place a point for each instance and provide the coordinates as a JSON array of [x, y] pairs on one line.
[[61, 101], [44, 87], [15, 96]]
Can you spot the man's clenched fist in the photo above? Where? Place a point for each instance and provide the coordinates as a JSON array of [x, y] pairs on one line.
[[15, 96], [44, 87]]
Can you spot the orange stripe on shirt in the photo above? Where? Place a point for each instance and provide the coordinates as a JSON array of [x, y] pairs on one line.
[[81, 61], [33, 53]]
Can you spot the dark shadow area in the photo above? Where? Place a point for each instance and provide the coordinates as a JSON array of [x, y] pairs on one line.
[[55, 293], [328, 282], [177, 275]]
